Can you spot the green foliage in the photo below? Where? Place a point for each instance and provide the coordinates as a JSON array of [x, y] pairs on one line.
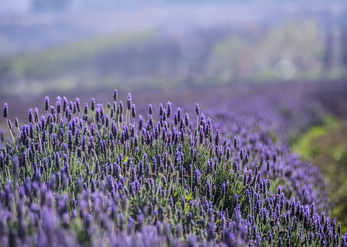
[[68, 58], [325, 146], [303, 145]]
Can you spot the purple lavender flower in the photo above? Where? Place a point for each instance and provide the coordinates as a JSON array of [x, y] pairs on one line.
[[165, 181], [150, 109], [46, 103], [115, 95], [133, 110], [93, 104], [30, 115], [197, 109], [5, 111], [129, 101]]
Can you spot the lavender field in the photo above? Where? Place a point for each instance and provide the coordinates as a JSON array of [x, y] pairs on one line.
[[219, 132]]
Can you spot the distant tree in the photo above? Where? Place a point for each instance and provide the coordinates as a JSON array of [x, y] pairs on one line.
[[344, 42], [343, 34], [329, 43], [50, 5]]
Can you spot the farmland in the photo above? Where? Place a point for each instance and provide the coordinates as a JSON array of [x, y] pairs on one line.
[[181, 126]]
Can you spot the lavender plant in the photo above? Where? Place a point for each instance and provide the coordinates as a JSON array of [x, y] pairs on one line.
[[107, 176]]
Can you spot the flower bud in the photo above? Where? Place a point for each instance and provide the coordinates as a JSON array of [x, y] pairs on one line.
[[197, 109], [46, 103], [5, 112]]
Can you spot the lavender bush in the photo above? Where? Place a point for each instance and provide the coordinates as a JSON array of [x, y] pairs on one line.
[[102, 175]]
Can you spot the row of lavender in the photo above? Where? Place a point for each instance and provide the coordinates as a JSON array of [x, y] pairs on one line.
[[98, 175]]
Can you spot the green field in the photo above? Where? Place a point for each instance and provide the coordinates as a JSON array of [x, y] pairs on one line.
[[325, 146]]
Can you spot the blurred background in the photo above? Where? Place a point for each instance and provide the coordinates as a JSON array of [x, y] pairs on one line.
[[64, 45], [286, 60]]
